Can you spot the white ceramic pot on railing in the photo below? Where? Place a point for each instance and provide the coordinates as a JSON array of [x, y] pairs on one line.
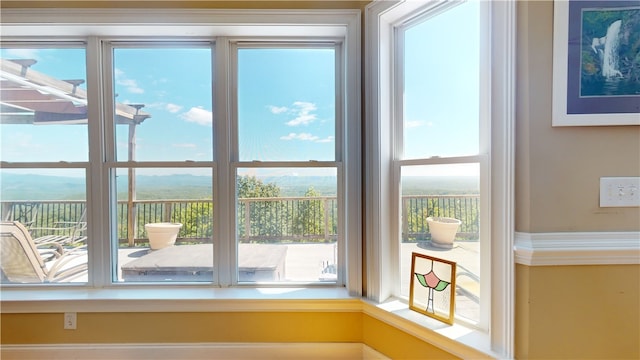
[[162, 235], [443, 230]]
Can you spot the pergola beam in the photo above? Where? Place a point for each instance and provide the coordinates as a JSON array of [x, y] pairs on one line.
[[27, 89]]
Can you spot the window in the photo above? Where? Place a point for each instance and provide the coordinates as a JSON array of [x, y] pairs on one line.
[[44, 134], [213, 154], [442, 153], [170, 89], [439, 146], [286, 102]]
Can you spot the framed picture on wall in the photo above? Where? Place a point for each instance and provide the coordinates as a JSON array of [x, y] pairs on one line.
[[432, 287], [596, 63]]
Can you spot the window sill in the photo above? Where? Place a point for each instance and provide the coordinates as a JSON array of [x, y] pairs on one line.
[[172, 299], [457, 339]]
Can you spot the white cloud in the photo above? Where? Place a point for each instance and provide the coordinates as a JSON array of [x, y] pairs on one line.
[[328, 139], [301, 136], [302, 110], [306, 137], [24, 53], [173, 108], [130, 84], [198, 115], [277, 109], [302, 120]]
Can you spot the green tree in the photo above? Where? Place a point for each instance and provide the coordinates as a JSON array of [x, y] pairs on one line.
[[265, 216], [196, 219], [309, 219], [252, 187]]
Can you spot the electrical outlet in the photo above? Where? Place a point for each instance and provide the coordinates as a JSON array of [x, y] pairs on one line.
[[619, 191], [70, 320]]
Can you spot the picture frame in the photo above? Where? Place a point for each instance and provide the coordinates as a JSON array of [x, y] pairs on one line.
[[592, 86], [432, 287]]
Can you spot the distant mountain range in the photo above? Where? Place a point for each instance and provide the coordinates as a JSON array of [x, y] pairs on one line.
[[43, 187]]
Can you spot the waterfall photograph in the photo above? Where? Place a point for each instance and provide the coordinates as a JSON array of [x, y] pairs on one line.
[[610, 51], [596, 63]]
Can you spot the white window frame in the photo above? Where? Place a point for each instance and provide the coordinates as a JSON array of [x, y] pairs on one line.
[[108, 134], [336, 163], [95, 25], [480, 158], [382, 18]]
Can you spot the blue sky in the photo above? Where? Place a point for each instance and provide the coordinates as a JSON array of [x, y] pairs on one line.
[[175, 86], [286, 104], [286, 99], [441, 85]]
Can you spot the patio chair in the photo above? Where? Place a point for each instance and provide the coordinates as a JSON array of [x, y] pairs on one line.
[[22, 262], [65, 233]]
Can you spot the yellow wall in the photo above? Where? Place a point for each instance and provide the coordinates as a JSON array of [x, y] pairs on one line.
[[576, 312], [397, 344], [189, 327], [579, 312], [223, 327]]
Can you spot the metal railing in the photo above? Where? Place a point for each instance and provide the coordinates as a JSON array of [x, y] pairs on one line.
[[288, 219], [39, 215], [196, 217], [262, 220], [416, 209]]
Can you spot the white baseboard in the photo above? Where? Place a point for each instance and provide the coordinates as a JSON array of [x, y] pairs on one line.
[[196, 351], [577, 248]]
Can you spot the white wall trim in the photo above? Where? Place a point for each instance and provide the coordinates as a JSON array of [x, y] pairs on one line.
[[75, 22], [192, 351], [577, 248]]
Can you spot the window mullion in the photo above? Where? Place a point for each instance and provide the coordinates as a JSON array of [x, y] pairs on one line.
[[97, 194], [224, 239], [109, 205]]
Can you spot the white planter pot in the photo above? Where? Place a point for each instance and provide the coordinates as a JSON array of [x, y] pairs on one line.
[[162, 235], [443, 230]]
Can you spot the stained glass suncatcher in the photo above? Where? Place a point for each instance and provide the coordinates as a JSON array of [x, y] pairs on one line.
[[432, 287]]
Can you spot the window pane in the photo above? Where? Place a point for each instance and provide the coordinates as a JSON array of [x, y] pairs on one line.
[[43, 115], [48, 206], [286, 104], [170, 236], [441, 85], [441, 218], [163, 104], [287, 222]]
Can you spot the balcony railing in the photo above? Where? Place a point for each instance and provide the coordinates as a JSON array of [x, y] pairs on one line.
[[416, 209], [261, 220]]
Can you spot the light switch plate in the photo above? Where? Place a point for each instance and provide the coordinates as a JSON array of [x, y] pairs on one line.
[[619, 191]]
